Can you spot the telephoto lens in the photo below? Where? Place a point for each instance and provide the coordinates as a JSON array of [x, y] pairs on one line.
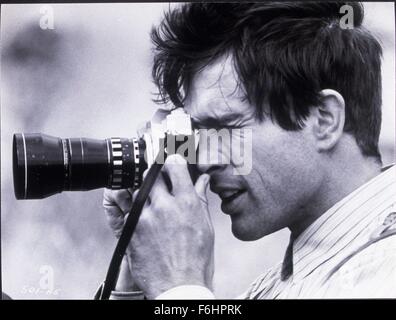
[[44, 165]]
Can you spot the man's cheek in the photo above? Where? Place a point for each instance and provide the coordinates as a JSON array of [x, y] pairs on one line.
[[242, 151], [227, 146]]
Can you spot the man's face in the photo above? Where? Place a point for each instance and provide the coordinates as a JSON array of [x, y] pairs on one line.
[[285, 171]]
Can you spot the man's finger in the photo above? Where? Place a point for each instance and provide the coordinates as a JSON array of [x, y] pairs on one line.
[[176, 168], [145, 173], [201, 187], [114, 213], [120, 198], [159, 189], [134, 195]]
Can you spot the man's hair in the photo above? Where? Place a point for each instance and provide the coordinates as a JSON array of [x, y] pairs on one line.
[[285, 53]]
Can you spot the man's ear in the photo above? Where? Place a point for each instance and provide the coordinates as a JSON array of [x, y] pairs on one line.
[[328, 119]]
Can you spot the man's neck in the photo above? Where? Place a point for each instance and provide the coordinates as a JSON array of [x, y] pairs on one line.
[[339, 181]]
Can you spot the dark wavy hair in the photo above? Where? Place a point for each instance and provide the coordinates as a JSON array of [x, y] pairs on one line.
[[285, 53]]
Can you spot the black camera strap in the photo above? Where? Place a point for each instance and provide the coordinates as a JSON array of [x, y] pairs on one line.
[[109, 283]]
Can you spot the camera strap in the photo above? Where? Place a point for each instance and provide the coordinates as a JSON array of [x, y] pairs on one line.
[[108, 285]]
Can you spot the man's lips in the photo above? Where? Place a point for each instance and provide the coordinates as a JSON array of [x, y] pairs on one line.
[[234, 203], [229, 195]]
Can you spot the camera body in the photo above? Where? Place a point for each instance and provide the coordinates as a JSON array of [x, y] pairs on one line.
[[44, 165]]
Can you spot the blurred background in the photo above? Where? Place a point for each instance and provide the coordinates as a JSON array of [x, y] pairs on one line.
[[90, 76]]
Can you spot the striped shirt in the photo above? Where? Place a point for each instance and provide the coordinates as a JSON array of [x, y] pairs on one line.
[[348, 252]]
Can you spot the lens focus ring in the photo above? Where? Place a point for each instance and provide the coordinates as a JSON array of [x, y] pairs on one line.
[[117, 162], [127, 163], [136, 154]]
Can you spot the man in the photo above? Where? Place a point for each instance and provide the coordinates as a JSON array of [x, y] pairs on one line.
[[310, 92]]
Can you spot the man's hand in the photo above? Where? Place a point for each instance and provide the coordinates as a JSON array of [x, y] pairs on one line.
[[117, 205], [173, 243]]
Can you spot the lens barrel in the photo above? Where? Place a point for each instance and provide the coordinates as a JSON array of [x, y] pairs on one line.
[[44, 165]]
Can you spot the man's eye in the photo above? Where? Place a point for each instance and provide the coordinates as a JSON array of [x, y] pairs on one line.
[[207, 124], [217, 124]]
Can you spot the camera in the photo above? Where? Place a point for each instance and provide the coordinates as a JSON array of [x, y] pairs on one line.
[[44, 165]]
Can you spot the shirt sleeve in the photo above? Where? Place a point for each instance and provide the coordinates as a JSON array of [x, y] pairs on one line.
[[127, 295], [186, 292]]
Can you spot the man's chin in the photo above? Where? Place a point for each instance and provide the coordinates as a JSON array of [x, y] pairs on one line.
[[245, 232]]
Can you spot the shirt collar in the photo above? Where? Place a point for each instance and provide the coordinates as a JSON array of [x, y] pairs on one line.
[[348, 221]]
